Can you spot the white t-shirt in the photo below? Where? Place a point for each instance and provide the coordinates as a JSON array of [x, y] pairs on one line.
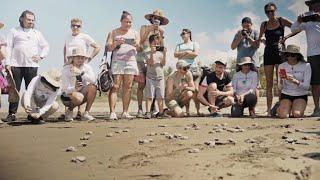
[[81, 40], [312, 30], [243, 83], [301, 72], [190, 46]]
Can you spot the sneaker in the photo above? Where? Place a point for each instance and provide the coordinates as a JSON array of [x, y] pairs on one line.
[[163, 115], [126, 115], [11, 117], [87, 116], [216, 115], [113, 116], [316, 113], [273, 111], [35, 121], [148, 115], [140, 114], [69, 115], [1, 122], [154, 113]]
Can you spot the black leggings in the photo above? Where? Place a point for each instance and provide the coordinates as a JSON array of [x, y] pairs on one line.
[[19, 73]]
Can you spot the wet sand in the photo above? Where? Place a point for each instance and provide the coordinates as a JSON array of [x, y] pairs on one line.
[[260, 148]]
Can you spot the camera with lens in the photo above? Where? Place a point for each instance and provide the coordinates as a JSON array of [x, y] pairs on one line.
[[160, 48], [310, 17], [245, 32]]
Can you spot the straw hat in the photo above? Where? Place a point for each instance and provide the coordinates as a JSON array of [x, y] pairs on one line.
[[76, 52], [245, 60], [158, 13], [53, 77], [1, 25], [294, 49], [310, 2]]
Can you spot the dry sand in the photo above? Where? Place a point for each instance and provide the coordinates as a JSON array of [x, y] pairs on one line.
[[37, 152]]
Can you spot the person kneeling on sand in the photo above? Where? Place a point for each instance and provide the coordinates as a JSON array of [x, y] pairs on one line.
[[295, 77], [78, 84], [245, 83], [179, 90], [216, 90], [39, 101]]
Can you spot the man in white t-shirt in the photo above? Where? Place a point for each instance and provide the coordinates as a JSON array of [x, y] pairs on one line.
[[79, 40], [312, 29], [26, 48]]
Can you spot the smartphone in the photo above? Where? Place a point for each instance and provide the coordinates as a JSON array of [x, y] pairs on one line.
[[283, 73], [79, 78], [35, 110], [159, 48], [129, 41]]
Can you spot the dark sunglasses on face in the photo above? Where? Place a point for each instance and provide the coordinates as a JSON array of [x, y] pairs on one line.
[[270, 11], [75, 26], [183, 33]]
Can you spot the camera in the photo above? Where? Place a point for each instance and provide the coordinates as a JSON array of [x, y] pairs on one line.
[[310, 17], [79, 78], [129, 41], [245, 32], [160, 48]]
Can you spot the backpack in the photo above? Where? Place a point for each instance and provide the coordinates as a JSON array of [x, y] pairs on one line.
[[105, 79]]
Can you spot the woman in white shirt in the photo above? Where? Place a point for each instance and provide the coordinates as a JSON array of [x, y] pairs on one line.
[[78, 84], [245, 84], [295, 76], [123, 42]]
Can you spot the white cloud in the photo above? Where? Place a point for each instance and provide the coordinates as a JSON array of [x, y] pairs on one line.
[[298, 7]]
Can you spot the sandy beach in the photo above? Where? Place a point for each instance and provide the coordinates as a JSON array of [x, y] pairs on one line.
[[188, 148]]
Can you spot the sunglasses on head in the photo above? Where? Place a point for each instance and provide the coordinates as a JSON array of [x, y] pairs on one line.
[[270, 11], [75, 26]]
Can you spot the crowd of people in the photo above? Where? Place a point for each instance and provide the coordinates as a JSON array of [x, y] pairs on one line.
[[141, 57]]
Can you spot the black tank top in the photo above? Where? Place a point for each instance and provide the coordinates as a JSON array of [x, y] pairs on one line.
[[273, 36]]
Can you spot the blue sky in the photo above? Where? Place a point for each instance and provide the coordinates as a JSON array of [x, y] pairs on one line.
[[213, 22]]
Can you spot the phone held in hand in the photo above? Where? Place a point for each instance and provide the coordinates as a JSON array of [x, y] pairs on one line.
[[160, 48], [129, 41], [79, 78], [283, 73]]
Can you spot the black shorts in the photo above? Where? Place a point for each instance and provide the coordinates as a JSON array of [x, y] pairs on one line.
[[271, 56], [315, 67], [219, 99], [292, 98]]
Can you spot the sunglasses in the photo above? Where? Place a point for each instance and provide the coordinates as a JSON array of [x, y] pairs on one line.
[[75, 26], [184, 33], [270, 11]]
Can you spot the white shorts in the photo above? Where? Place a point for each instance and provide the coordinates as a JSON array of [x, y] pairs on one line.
[[124, 67]]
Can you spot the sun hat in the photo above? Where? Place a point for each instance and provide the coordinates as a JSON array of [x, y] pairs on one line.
[[158, 13], [53, 77]]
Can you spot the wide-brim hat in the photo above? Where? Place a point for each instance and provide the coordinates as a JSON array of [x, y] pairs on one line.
[[245, 60], [294, 49], [158, 13], [1, 25], [76, 52], [53, 77], [221, 61], [310, 2]]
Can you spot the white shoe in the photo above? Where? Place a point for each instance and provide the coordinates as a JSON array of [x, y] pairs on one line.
[[113, 116], [126, 115], [69, 115], [87, 116]]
